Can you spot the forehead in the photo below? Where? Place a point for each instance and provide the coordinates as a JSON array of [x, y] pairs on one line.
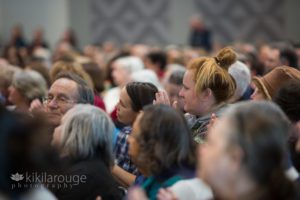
[[124, 95], [188, 78], [64, 86]]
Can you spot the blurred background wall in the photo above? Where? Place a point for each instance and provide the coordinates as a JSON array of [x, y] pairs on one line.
[[152, 21]]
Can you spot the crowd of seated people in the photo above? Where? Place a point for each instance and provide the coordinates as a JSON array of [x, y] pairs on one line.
[[148, 122]]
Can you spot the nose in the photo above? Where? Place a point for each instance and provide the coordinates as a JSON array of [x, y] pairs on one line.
[[52, 104], [181, 93]]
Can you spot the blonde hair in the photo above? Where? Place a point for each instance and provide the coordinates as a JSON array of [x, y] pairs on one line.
[[212, 73], [73, 67]]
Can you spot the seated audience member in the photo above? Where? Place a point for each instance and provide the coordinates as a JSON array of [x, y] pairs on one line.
[[288, 98], [134, 96], [156, 61], [38, 40], [278, 54], [6, 76], [37, 65], [146, 76], [26, 86], [77, 68], [207, 88], [122, 69], [66, 91], [267, 86], [173, 86], [97, 76], [161, 146], [244, 159], [84, 139], [241, 74], [24, 150]]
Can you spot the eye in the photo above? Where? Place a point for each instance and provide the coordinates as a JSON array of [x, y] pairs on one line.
[[49, 98], [62, 99]]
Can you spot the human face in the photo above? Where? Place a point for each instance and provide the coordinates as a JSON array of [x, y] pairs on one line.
[[132, 140], [125, 113], [62, 96], [173, 92], [272, 60], [257, 95], [215, 163], [192, 102], [15, 97], [120, 75]]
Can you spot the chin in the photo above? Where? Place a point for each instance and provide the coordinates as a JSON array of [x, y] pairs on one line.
[[54, 119]]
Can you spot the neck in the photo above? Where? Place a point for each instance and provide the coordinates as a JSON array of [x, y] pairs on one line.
[[213, 108]]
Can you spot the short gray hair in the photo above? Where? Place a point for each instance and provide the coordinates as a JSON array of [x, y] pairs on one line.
[[87, 132], [131, 63], [30, 84], [85, 92]]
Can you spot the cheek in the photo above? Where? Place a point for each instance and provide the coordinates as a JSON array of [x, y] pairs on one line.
[[65, 108], [208, 163]]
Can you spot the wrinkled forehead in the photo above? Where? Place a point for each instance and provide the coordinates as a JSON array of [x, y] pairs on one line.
[[64, 87]]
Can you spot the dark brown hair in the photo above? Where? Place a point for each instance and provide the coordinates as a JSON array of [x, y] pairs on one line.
[[165, 140], [260, 130], [141, 94]]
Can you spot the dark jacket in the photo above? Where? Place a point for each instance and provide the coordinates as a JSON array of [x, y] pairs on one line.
[[95, 179]]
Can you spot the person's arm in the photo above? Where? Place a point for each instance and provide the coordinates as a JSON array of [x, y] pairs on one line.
[[125, 178]]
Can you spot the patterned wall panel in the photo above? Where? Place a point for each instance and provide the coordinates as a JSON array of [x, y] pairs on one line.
[[245, 20], [130, 21]]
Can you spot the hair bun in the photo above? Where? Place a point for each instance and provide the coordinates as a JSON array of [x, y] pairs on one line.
[[226, 57]]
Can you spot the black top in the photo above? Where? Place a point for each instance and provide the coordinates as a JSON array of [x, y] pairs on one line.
[[98, 182]]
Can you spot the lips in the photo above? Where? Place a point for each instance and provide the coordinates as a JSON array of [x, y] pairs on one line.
[[51, 114]]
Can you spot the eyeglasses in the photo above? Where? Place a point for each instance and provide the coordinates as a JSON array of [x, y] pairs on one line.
[[60, 100]]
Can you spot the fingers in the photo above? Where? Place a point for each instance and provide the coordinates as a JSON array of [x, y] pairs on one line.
[[162, 97], [36, 106]]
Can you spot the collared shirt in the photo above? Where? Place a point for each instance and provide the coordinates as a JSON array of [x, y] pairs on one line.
[[122, 158]]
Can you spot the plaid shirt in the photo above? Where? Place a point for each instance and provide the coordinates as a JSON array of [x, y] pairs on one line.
[[122, 158]]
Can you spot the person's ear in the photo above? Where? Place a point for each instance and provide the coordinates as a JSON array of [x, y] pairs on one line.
[[207, 94]]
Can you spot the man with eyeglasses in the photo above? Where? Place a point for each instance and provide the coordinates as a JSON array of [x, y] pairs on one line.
[[67, 90]]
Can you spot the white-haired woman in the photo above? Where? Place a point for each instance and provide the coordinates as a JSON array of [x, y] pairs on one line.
[[84, 139], [122, 68], [26, 86]]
